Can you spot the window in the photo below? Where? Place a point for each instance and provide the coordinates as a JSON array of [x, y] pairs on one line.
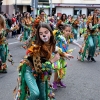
[[77, 11], [43, 1]]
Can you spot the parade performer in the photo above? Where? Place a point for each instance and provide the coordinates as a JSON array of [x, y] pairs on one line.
[[21, 36], [27, 26], [92, 29], [3, 45], [75, 26], [39, 19], [35, 69], [98, 34], [8, 24], [90, 38], [83, 25], [63, 20], [51, 22], [61, 65]]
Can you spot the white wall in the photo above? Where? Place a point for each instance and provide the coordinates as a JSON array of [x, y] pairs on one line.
[[84, 11], [77, 1], [68, 11]]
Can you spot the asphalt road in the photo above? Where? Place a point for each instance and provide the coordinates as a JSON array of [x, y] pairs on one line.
[[82, 79]]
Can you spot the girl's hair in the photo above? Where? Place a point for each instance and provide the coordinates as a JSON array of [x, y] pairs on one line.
[[62, 17], [41, 43], [94, 20], [41, 11], [2, 21], [66, 25]]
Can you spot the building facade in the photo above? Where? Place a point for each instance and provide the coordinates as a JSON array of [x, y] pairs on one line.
[[75, 7], [70, 7], [9, 6]]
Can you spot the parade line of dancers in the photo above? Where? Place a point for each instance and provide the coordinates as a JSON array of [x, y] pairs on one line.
[[46, 40]]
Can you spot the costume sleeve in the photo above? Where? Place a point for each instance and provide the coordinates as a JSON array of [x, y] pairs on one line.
[[62, 43]]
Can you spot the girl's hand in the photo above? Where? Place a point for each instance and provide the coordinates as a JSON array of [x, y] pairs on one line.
[[55, 58], [80, 46], [68, 56]]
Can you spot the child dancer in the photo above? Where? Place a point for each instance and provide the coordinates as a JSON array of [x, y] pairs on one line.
[[3, 45], [75, 26], [60, 66], [92, 26], [35, 69]]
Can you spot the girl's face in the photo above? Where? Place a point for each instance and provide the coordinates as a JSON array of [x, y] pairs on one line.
[[42, 14], [64, 16], [44, 34], [67, 31]]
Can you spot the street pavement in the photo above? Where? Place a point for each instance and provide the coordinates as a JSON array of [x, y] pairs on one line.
[[82, 79]]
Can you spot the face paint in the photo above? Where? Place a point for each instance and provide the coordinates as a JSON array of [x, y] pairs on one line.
[[45, 39], [44, 34]]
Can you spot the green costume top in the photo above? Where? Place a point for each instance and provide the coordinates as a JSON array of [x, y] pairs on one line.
[[92, 30], [2, 37]]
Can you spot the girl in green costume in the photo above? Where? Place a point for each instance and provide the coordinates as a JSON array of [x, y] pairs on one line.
[[62, 21], [98, 36], [75, 26], [3, 45], [35, 69], [27, 26], [61, 65], [90, 38]]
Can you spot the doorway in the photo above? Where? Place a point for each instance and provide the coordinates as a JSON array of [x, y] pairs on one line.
[[90, 11]]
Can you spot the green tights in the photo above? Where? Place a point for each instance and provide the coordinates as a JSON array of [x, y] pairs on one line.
[[36, 86]]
